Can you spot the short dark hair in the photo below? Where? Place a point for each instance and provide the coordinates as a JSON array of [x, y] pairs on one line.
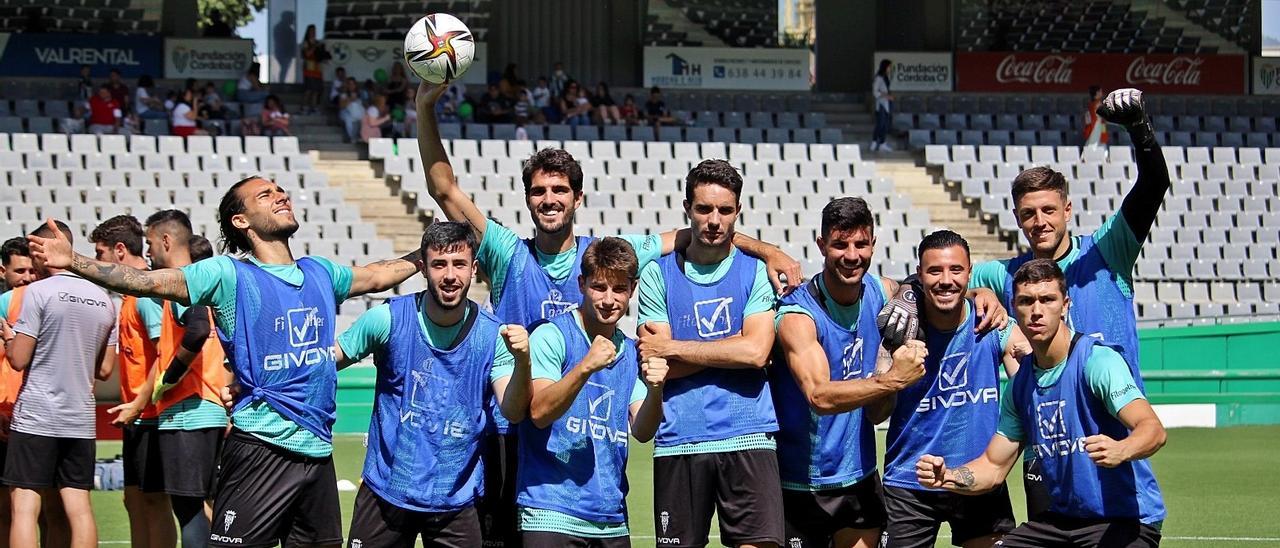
[[199, 248], [448, 237], [233, 240], [165, 216], [44, 231], [121, 229], [1036, 179], [847, 213], [13, 246], [941, 239], [610, 256], [1039, 270], [553, 161], [713, 172]]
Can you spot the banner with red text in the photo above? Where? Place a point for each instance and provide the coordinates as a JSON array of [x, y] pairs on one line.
[[1075, 72]]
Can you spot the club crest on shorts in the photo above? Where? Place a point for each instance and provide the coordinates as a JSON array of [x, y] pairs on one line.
[[228, 518], [795, 542], [356, 543], [665, 519]]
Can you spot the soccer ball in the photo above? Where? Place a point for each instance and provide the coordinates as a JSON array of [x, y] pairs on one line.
[[439, 48]]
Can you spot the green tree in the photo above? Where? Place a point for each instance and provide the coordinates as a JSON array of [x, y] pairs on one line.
[[234, 12]]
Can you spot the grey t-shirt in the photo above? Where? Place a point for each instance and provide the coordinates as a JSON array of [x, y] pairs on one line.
[[71, 320]]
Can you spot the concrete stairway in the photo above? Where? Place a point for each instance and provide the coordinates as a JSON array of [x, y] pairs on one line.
[[379, 204], [924, 189]]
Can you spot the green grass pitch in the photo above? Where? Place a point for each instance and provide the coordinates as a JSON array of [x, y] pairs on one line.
[[1219, 485]]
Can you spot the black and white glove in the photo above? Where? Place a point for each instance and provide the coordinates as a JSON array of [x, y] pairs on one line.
[[899, 320], [1124, 107]]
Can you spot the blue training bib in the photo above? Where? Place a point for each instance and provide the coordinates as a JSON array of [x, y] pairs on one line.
[[713, 404], [1057, 419], [429, 412], [831, 450], [578, 465], [952, 411], [281, 348]]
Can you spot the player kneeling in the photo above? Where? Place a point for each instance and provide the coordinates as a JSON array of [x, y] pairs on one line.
[[572, 486], [438, 356], [1075, 402]]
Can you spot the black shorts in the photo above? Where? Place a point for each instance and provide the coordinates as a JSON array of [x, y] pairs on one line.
[[376, 522], [544, 539], [813, 517], [190, 460], [265, 495], [42, 462], [1056, 530], [143, 467], [741, 487], [916, 514], [1033, 485], [497, 510]]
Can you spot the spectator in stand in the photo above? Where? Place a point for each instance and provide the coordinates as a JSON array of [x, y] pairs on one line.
[[575, 106], [86, 90], [275, 121], [350, 108], [184, 115], [377, 121], [119, 91], [606, 109], [217, 27], [542, 102], [249, 89], [75, 122], [495, 108], [1095, 128], [410, 126], [312, 70], [510, 82], [524, 104], [104, 113], [170, 100], [397, 85], [559, 79], [336, 88], [630, 114], [145, 106], [884, 106], [655, 110], [212, 113]]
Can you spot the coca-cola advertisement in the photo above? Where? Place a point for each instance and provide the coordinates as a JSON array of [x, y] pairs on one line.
[[1073, 72]]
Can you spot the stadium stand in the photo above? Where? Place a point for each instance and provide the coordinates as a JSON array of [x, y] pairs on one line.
[[105, 16], [1052, 120], [1213, 250], [87, 178], [1060, 25], [1227, 18], [740, 23], [387, 20]]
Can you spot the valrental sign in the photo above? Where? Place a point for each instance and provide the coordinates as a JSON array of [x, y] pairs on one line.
[[1074, 73]]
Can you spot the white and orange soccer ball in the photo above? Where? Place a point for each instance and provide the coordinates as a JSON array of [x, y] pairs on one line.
[[439, 48]]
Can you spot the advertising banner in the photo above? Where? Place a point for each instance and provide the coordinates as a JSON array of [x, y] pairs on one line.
[[918, 71], [60, 55], [1266, 75], [1075, 72], [361, 58], [726, 68], [207, 58]]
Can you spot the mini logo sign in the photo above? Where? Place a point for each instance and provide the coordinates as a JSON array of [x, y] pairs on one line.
[[228, 518], [181, 56], [665, 519], [1050, 421], [712, 316], [953, 372]]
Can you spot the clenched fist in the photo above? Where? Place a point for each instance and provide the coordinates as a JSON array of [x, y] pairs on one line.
[[1123, 107], [600, 355], [517, 339], [654, 372], [908, 364]]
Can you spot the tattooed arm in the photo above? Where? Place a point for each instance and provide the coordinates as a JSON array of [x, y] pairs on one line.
[[383, 275], [56, 252], [976, 477]]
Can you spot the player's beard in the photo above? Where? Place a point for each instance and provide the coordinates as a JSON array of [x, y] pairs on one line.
[[434, 290], [554, 227]]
